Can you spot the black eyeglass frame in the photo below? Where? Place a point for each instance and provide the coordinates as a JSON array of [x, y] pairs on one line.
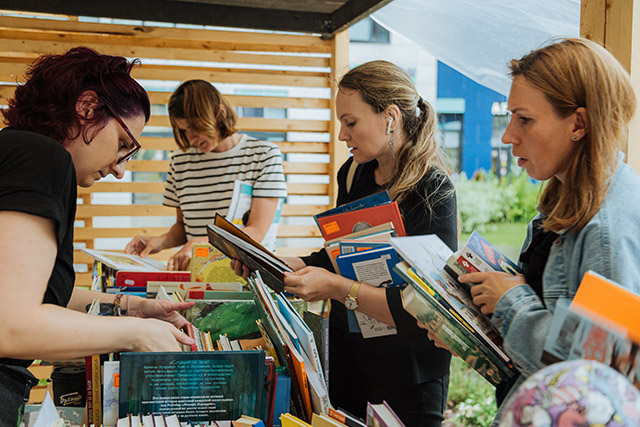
[[136, 144]]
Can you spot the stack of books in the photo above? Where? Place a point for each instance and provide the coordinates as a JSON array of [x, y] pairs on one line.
[[437, 299]]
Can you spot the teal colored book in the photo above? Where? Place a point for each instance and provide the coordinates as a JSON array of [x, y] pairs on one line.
[[195, 386]]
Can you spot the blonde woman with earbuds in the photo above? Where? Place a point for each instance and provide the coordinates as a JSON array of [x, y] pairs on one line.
[[390, 131]]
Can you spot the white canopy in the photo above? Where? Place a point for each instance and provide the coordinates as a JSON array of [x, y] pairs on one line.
[[478, 38]]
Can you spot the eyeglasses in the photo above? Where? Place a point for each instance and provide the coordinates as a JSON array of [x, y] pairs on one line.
[[136, 145]]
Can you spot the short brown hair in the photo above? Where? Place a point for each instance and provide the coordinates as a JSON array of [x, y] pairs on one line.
[[204, 108], [574, 73]]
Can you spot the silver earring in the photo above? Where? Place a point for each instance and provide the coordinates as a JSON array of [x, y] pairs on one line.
[[393, 153], [389, 125]]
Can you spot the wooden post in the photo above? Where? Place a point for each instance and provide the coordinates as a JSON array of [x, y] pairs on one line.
[[337, 149], [613, 23]]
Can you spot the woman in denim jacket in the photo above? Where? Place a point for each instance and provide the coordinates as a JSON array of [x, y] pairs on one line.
[[570, 105]]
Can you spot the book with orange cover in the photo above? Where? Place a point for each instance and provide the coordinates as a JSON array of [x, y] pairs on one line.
[[341, 224], [619, 309]]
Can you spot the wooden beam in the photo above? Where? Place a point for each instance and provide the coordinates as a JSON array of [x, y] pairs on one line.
[[337, 150], [351, 12], [195, 13]]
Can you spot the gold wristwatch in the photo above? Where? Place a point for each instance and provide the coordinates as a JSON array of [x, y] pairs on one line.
[[351, 300]]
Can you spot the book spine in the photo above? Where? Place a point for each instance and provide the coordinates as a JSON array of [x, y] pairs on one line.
[[297, 405], [96, 389], [89, 375]]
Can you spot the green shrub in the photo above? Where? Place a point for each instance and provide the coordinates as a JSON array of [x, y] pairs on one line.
[[471, 397], [487, 199]]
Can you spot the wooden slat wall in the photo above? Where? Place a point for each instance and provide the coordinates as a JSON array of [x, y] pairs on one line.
[[286, 63]]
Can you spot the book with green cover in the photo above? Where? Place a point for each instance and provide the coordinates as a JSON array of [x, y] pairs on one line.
[[235, 318], [195, 386]]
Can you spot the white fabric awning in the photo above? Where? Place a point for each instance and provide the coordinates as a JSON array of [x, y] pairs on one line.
[[478, 38]]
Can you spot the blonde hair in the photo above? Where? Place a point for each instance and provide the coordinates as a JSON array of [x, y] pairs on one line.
[[574, 73], [381, 84], [205, 110]]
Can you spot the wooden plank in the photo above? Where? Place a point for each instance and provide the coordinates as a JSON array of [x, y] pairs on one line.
[[159, 143], [289, 167], [618, 30], [295, 251], [38, 43], [148, 165], [261, 124], [255, 101], [92, 211], [158, 187], [178, 37], [87, 233], [13, 69]]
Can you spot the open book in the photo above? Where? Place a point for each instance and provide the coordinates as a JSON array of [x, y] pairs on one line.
[[232, 242], [125, 262], [437, 299]]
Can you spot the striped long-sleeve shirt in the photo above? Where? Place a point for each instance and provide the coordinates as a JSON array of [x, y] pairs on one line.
[[201, 184]]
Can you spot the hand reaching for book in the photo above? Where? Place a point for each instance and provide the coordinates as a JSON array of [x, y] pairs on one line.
[[434, 339], [181, 259], [490, 287], [144, 246], [162, 310], [160, 336]]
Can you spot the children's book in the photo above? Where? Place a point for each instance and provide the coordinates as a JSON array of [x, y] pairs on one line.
[[236, 244], [208, 264], [240, 207], [235, 318], [381, 415], [125, 262], [376, 199], [196, 386], [339, 225]]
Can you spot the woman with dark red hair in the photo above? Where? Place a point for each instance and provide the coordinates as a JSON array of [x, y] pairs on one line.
[[75, 120]]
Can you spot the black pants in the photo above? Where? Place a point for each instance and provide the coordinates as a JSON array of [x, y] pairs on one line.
[[15, 386]]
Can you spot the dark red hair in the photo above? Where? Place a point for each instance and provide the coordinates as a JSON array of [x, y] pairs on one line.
[[46, 102]]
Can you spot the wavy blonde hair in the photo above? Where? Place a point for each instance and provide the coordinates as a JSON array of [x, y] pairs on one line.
[[204, 108], [381, 84], [574, 73]]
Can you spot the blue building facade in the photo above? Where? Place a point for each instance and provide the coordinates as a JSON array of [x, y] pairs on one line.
[[466, 119]]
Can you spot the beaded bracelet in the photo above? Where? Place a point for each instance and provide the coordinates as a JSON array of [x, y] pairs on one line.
[[117, 311]]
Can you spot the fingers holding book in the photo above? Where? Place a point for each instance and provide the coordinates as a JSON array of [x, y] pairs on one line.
[[490, 287]]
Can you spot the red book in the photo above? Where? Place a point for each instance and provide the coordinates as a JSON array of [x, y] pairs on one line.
[[341, 224], [140, 278]]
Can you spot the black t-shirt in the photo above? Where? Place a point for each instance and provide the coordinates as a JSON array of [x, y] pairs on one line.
[[37, 177], [374, 369]]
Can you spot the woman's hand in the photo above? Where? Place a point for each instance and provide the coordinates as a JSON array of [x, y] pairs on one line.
[[156, 335], [490, 287], [434, 339], [239, 268], [315, 284], [181, 259], [144, 246], [162, 310]]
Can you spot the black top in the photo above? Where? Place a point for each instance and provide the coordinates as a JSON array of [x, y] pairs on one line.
[[374, 369], [536, 255], [37, 177]]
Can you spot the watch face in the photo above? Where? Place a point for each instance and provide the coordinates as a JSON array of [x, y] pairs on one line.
[[351, 303]]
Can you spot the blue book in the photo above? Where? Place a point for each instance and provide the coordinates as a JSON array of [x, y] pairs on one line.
[[374, 267], [351, 246], [283, 395], [200, 386], [376, 199], [490, 255]]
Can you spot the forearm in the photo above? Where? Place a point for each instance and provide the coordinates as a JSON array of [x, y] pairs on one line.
[[372, 300], [53, 332], [294, 262], [175, 236]]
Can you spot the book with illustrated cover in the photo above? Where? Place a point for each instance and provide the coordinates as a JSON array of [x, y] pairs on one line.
[[208, 264], [235, 318], [341, 224], [373, 267], [236, 244], [125, 262], [195, 386], [426, 258], [187, 287], [379, 233], [595, 328]]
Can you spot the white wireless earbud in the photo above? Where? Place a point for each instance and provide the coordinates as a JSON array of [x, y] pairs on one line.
[[389, 125]]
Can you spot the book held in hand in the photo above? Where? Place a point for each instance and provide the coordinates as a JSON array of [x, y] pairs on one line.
[[436, 298]]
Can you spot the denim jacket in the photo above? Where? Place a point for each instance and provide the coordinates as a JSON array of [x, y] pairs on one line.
[[609, 244]]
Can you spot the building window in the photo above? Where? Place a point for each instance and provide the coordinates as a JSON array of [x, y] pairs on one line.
[[368, 31]]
